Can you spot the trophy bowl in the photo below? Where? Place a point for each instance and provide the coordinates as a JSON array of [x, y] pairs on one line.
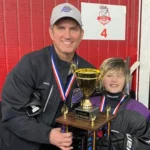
[[86, 79]]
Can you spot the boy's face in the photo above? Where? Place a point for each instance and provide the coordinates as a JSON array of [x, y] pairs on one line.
[[114, 81]]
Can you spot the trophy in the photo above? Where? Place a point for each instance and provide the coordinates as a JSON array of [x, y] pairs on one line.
[[86, 117], [87, 79]]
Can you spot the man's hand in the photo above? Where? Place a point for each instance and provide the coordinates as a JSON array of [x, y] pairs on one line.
[[61, 140]]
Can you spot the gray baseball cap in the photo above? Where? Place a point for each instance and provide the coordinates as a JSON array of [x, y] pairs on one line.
[[65, 10]]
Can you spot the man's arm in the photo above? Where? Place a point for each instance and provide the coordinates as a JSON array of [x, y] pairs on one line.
[[16, 94]]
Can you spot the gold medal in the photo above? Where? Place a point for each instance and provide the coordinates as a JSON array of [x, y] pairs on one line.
[[73, 67], [64, 109]]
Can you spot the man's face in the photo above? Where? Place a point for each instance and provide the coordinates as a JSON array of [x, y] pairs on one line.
[[66, 35], [114, 81]]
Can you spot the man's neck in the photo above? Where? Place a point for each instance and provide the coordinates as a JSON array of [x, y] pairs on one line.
[[68, 57]]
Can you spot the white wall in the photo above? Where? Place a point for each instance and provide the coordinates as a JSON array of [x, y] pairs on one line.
[[144, 50]]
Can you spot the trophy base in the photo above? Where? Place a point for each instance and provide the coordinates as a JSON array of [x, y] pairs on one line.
[[86, 114]]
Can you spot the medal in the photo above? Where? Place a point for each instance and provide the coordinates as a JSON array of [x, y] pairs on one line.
[[73, 67], [64, 109], [64, 91]]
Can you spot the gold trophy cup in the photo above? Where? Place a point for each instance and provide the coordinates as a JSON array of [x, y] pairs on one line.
[[87, 80]]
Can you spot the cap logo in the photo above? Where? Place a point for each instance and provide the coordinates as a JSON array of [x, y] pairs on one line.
[[66, 9]]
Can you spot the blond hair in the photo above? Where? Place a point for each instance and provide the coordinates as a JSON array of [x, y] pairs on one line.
[[114, 64]]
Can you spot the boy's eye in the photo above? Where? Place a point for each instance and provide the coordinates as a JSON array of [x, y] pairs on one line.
[[109, 75], [120, 75]]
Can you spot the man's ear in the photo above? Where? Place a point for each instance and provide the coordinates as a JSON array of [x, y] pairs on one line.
[[82, 33], [51, 32]]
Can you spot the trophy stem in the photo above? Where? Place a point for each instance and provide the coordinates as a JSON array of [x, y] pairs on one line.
[[87, 104]]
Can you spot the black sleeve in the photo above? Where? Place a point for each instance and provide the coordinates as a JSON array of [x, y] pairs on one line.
[[16, 94], [133, 122], [119, 141]]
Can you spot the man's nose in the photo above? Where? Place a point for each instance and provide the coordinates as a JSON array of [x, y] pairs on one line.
[[67, 34]]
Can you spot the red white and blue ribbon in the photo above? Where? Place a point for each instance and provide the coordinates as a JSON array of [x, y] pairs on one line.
[[102, 104], [101, 108], [64, 92]]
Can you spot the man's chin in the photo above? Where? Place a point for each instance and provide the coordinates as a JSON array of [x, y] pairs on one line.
[[69, 51]]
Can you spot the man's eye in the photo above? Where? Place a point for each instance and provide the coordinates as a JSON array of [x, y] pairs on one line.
[[74, 29], [61, 28]]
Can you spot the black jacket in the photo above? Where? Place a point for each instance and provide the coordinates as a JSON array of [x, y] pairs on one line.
[[18, 131]]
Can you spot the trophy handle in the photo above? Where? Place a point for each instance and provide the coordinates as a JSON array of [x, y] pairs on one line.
[[81, 103]]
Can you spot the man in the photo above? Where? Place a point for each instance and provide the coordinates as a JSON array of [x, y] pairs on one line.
[[37, 88]]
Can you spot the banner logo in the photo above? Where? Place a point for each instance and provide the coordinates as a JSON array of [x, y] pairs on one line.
[[104, 15]]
